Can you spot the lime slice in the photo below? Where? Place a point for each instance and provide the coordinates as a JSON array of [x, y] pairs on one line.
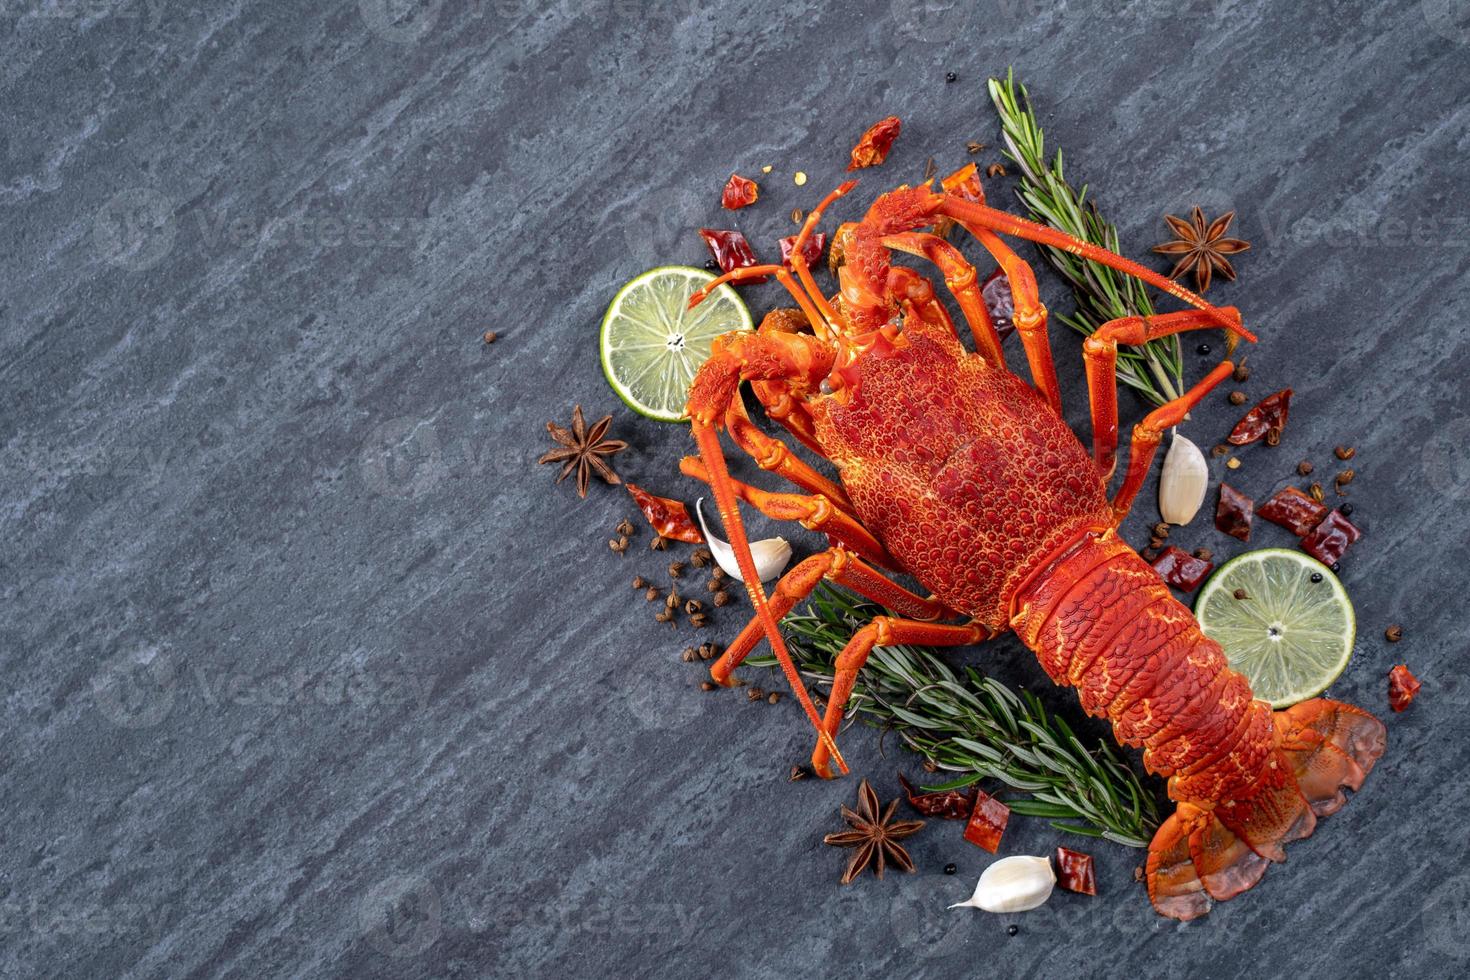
[[652, 343], [1290, 636]]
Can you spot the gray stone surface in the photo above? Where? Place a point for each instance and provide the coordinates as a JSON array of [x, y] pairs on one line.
[[308, 669]]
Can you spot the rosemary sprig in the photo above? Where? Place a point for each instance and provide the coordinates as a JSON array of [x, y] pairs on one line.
[[1156, 369], [972, 725]]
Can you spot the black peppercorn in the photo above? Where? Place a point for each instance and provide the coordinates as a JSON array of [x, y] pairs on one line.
[[1012, 930], [1336, 567], [1346, 510], [1204, 348], [1316, 577], [950, 76], [712, 265], [950, 869]]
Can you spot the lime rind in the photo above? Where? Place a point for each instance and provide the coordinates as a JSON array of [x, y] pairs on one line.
[[1291, 637], [652, 343]]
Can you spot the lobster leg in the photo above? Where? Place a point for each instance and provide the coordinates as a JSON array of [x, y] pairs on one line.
[[815, 513], [753, 357], [842, 567], [963, 283], [969, 213], [1029, 315], [1101, 353], [1148, 433], [882, 631], [774, 455]]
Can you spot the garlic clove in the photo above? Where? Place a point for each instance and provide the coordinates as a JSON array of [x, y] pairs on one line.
[[1183, 482], [1013, 884], [771, 554]]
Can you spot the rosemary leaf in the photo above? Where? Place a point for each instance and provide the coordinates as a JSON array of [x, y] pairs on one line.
[[974, 727], [1156, 370]]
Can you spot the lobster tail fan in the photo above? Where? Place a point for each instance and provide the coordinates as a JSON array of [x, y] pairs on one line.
[[1174, 887], [1274, 815], [1226, 864], [1322, 747], [1330, 744]]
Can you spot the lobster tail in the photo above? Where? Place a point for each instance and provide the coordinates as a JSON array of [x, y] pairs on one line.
[[1200, 853], [1248, 780]]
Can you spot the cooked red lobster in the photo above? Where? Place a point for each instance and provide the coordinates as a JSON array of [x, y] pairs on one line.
[[959, 473]]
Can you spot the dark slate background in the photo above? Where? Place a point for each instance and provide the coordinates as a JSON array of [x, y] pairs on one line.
[[308, 669]]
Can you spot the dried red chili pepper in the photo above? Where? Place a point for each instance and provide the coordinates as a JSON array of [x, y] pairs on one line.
[[1269, 413], [670, 518], [987, 821], [1234, 512], [947, 804], [1402, 687], [1293, 510], [1181, 569], [965, 183], [1000, 303], [1330, 539], [811, 250], [1075, 872], [739, 192], [872, 149], [731, 251]]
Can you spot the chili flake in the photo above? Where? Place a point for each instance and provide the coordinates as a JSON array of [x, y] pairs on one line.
[[670, 518], [1234, 513], [811, 249], [947, 804], [964, 183], [987, 821], [1075, 872], [1182, 570], [1330, 540], [1000, 303], [1270, 413], [740, 192], [872, 149], [731, 250], [1402, 687], [1294, 511]]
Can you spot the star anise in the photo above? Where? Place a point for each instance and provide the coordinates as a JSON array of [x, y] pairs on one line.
[[582, 449], [1202, 248], [876, 836]]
